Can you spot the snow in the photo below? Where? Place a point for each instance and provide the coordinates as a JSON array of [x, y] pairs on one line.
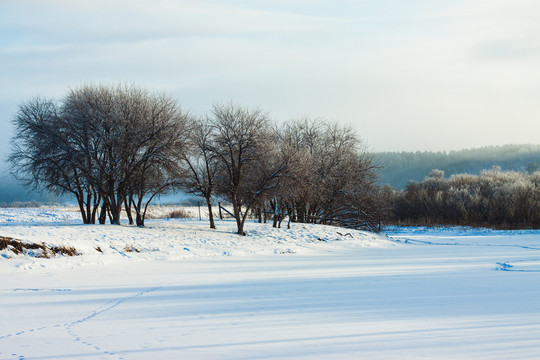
[[165, 239], [177, 290]]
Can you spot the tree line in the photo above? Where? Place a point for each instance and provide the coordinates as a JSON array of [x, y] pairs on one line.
[[398, 168], [115, 148], [494, 198]]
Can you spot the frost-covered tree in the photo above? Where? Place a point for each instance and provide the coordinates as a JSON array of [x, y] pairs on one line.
[[331, 178], [505, 199]]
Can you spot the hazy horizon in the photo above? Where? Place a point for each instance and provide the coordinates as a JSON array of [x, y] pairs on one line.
[[411, 75], [12, 191]]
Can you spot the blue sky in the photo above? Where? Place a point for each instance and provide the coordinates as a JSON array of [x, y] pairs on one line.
[[407, 75]]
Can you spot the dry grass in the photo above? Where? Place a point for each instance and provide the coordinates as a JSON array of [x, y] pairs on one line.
[[179, 214], [47, 251], [64, 250], [164, 211]]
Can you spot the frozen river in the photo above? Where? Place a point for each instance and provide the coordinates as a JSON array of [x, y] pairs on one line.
[[433, 294]]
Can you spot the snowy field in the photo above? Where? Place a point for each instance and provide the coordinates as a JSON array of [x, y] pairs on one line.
[[177, 290]]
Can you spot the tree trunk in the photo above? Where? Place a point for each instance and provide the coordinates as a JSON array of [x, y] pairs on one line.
[[236, 210], [210, 214], [139, 219], [89, 208], [127, 205], [242, 222], [80, 201], [97, 200], [103, 213], [139, 216], [300, 214], [115, 209], [283, 217], [118, 211]]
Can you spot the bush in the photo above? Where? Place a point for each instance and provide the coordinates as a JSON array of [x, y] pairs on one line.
[[494, 198], [179, 214]]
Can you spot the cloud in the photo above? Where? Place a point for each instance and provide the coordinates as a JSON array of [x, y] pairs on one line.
[[408, 75], [76, 22], [508, 49]]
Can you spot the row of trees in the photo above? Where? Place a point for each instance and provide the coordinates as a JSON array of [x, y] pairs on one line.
[[305, 170], [495, 198], [116, 148]]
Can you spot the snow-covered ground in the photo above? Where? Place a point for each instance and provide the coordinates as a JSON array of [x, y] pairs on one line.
[[177, 290]]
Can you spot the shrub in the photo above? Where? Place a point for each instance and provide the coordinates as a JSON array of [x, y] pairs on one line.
[[179, 214], [494, 198]]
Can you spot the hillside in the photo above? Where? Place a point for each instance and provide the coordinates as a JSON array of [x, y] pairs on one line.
[[398, 168], [170, 239]]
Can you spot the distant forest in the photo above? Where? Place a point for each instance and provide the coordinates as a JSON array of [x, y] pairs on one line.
[[398, 168]]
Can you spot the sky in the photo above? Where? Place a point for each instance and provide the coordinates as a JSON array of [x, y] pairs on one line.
[[407, 75]]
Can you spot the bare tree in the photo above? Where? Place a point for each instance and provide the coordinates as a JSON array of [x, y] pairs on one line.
[[45, 155], [201, 163], [154, 161], [109, 146], [331, 176], [242, 145]]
